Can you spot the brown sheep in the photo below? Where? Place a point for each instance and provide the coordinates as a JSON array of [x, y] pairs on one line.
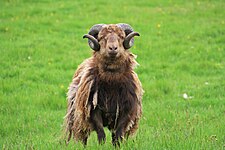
[[105, 91]]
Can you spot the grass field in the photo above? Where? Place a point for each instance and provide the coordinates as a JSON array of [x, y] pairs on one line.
[[181, 52]]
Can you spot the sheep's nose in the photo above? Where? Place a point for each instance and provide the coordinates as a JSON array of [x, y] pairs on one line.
[[113, 48]]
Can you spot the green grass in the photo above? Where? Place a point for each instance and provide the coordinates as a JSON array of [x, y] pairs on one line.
[[181, 50]]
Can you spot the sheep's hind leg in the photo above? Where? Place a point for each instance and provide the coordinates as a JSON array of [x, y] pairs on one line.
[[115, 140], [84, 141], [97, 121]]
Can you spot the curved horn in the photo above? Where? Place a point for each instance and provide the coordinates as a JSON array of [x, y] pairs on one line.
[[93, 36], [129, 40], [92, 41]]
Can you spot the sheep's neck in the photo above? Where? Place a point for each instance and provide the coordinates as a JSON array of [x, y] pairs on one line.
[[114, 70], [114, 66]]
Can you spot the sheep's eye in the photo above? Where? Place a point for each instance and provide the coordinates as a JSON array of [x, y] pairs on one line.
[[100, 38], [105, 39], [121, 36]]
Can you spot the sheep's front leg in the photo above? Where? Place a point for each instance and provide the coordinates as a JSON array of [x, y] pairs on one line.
[[119, 133], [97, 121]]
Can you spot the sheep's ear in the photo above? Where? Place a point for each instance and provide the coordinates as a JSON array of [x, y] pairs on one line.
[[93, 42]]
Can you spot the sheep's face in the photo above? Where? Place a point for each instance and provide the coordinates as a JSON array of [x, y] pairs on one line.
[[111, 39], [111, 42]]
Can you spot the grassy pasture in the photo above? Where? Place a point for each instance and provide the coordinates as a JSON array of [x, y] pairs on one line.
[[181, 52]]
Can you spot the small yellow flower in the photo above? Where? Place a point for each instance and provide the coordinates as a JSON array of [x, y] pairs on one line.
[[158, 25], [62, 86]]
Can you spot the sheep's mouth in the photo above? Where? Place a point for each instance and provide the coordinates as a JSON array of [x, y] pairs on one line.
[[113, 55]]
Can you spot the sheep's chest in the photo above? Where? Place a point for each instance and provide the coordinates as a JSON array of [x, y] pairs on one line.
[[109, 101]]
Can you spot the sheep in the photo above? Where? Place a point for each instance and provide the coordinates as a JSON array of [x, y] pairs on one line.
[[105, 90]]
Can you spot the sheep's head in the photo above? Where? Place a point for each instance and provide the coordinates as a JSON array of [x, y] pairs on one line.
[[111, 40]]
